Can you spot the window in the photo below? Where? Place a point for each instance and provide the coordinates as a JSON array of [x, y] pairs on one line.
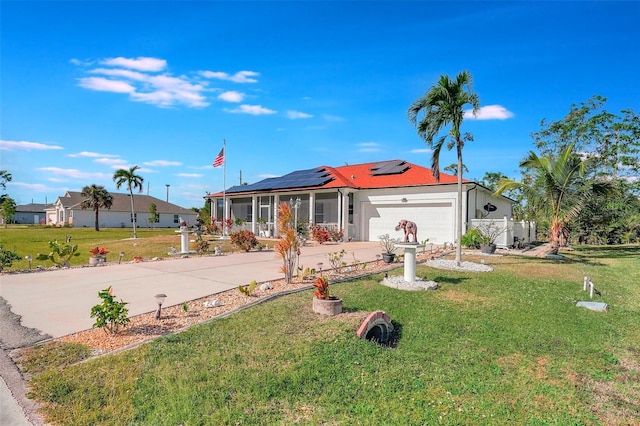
[[176, 218], [350, 195], [319, 218]]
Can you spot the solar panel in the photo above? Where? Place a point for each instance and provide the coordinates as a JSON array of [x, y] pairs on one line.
[[394, 167], [298, 179]]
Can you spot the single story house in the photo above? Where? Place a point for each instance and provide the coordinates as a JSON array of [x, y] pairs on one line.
[[365, 201], [31, 214], [66, 210]]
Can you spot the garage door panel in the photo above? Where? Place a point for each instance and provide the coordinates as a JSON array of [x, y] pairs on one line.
[[434, 220]]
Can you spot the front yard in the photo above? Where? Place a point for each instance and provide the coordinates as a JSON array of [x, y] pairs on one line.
[[507, 347]]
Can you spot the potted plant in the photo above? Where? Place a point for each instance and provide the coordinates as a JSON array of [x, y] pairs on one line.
[[98, 255], [323, 302], [388, 245], [490, 232]]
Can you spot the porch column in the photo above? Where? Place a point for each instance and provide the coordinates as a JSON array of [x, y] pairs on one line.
[[344, 215], [276, 202], [312, 208], [254, 213]]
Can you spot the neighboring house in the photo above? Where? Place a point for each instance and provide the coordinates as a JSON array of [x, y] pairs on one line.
[[66, 210], [364, 200], [31, 214]]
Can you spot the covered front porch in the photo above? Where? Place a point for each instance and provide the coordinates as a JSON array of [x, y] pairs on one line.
[[259, 213]]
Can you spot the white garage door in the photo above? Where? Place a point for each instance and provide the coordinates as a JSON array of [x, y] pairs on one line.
[[435, 221]]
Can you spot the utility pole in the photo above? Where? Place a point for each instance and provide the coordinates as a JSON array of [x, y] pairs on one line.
[[167, 185]]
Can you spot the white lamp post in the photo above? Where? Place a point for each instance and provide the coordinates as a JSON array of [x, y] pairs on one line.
[[295, 206]]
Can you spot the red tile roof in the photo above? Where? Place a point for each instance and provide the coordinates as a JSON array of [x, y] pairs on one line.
[[359, 176]]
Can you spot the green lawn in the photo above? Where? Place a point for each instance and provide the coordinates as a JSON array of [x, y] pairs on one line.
[[151, 242], [501, 348]]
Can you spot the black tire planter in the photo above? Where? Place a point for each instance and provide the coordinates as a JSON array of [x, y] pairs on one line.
[[388, 257], [488, 249]]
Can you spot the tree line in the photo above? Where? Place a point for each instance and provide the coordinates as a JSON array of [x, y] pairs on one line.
[[580, 183]]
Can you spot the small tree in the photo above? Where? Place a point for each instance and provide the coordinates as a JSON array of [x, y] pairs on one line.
[[288, 246], [154, 216], [8, 210]]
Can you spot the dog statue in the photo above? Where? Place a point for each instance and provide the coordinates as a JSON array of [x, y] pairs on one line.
[[410, 228]]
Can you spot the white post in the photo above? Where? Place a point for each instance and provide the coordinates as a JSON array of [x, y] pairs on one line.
[[585, 284], [590, 289]]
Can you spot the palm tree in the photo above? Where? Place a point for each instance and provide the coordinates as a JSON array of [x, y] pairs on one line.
[[96, 196], [133, 181], [442, 105], [559, 189]]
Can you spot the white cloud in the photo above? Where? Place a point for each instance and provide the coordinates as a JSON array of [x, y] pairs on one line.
[[421, 151], [127, 74], [189, 175], [26, 146], [162, 163], [73, 173], [163, 90], [490, 112], [106, 85], [251, 109], [231, 96], [119, 162], [295, 115], [140, 63], [87, 154], [239, 77]]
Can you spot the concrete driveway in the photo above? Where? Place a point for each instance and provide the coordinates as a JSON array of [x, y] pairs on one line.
[[58, 302]]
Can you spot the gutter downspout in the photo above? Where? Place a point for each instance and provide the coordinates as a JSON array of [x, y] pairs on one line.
[[475, 201]]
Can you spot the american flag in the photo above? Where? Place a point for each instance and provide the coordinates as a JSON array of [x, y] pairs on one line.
[[219, 160]]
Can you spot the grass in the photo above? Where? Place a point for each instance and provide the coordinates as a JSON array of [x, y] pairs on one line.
[[500, 348], [34, 239]]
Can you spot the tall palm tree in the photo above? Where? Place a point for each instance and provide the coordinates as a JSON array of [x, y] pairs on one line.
[[442, 105], [133, 181], [96, 197], [559, 189]]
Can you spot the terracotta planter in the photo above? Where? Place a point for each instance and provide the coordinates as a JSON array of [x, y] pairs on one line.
[[331, 306], [388, 257]]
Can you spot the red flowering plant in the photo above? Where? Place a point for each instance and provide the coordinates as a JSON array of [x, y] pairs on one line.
[[322, 288], [98, 251]]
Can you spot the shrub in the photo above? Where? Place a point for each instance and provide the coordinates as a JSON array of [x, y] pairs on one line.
[[247, 290], [473, 238], [110, 314], [245, 239], [201, 245], [336, 234], [60, 254], [319, 234], [336, 260], [7, 257]]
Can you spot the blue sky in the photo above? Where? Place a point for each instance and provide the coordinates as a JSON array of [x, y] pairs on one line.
[[88, 87]]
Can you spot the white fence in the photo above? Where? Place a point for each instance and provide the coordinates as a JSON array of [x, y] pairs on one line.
[[509, 233]]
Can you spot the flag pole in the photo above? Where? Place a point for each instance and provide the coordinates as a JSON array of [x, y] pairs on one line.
[[224, 187]]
